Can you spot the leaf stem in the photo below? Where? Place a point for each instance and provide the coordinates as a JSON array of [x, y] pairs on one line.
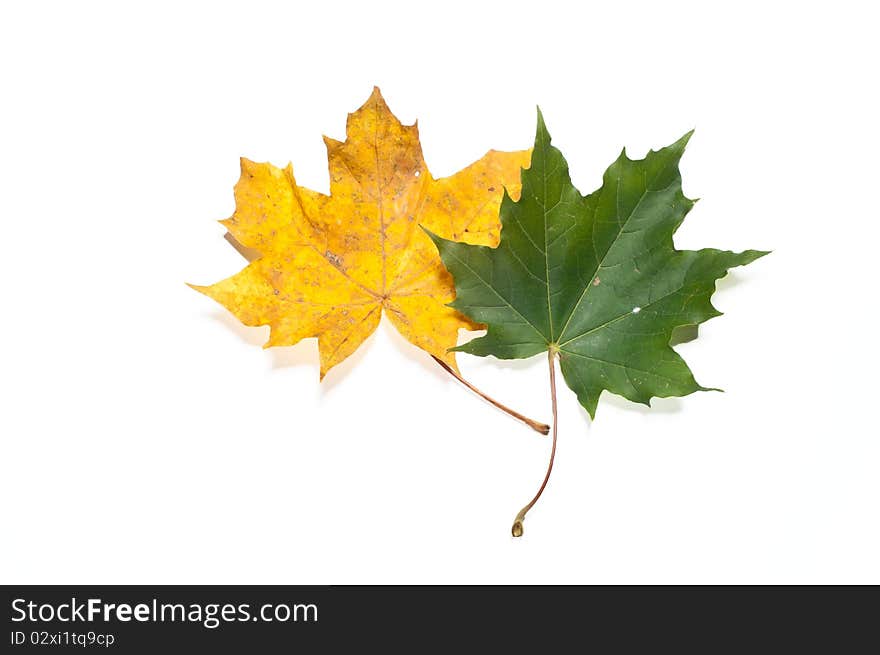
[[537, 426], [517, 529]]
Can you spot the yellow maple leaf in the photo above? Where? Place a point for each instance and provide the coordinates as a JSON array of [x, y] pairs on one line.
[[328, 266]]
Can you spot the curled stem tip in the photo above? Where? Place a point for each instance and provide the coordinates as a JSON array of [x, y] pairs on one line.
[[537, 426], [517, 529]]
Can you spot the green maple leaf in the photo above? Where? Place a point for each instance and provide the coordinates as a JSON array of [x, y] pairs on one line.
[[595, 279]]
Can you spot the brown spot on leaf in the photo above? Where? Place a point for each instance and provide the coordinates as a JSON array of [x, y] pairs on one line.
[[334, 259]]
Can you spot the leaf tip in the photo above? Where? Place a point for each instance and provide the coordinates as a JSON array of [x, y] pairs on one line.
[[542, 135], [746, 257], [330, 143], [590, 404], [433, 237], [324, 365], [683, 141]]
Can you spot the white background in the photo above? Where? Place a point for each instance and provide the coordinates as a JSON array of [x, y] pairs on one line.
[[147, 438]]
